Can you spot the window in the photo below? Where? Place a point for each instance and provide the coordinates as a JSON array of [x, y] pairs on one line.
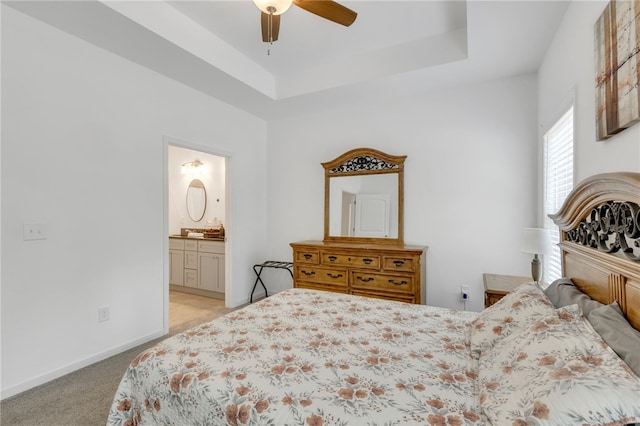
[[558, 182]]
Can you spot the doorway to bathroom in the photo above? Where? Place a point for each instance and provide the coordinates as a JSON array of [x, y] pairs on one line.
[[196, 217]]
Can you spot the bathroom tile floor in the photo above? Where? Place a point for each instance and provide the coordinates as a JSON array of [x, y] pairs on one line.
[[188, 310]]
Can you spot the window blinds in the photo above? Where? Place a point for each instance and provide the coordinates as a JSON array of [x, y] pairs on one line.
[[558, 182]]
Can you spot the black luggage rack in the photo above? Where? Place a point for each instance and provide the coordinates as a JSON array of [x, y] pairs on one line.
[[268, 264]]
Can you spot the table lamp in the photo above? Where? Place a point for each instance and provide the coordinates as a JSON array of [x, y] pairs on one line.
[[536, 241]]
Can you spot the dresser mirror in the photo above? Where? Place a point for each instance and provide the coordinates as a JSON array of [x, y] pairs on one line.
[[196, 200], [364, 197]]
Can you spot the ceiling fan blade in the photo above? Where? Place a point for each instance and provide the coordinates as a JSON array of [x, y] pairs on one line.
[[328, 9], [274, 24]]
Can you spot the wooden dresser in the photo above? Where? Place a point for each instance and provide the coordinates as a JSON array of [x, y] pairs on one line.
[[373, 270]]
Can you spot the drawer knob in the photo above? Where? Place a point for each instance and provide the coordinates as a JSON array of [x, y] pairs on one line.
[[303, 272], [398, 282], [307, 256], [367, 261], [366, 280], [398, 263], [334, 276], [332, 258]]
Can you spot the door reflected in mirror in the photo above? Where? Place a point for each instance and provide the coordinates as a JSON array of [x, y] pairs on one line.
[[196, 200], [364, 206]]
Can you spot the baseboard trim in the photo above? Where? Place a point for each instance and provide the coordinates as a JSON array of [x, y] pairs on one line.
[[41, 380], [197, 292]]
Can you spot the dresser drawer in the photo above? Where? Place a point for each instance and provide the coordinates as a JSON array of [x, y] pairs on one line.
[[350, 260], [323, 287], [386, 296], [321, 275], [191, 278], [211, 247], [191, 245], [176, 244], [191, 260], [307, 256], [398, 263], [365, 280], [491, 297]]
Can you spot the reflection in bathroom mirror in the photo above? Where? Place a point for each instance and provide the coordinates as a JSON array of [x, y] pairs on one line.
[[196, 200], [364, 206]]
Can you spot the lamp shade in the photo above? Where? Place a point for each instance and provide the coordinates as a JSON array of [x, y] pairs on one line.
[[536, 241], [276, 7]]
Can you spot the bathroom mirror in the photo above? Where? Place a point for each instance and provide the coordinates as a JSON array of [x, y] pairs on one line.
[[364, 197], [196, 200]]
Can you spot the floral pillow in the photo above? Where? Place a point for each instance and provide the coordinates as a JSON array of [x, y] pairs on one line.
[[515, 311], [557, 372]]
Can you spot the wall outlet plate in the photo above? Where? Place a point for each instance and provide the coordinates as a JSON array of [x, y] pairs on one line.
[[464, 292], [34, 231], [104, 314]]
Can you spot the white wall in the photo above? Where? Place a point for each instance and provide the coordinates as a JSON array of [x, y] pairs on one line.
[[569, 66], [213, 179], [470, 177], [83, 152]]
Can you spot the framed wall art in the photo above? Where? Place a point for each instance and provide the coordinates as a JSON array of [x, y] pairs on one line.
[[617, 60]]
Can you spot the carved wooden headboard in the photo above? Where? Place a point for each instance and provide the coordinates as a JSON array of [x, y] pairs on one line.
[[600, 239]]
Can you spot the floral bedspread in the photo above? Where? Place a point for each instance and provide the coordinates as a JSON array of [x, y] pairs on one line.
[[305, 357]]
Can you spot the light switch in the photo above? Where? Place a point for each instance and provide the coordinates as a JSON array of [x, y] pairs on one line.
[[34, 231]]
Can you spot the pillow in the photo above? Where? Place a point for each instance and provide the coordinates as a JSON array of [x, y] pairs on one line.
[[515, 311], [563, 292], [613, 327], [558, 371], [570, 294], [552, 290]]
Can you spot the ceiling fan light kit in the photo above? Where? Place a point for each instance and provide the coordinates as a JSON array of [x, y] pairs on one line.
[[327, 9], [273, 7]]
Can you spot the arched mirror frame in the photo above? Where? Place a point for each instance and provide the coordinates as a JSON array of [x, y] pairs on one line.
[[196, 184], [358, 162]]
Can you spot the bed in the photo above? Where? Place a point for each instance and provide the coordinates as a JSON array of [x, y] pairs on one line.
[[567, 354]]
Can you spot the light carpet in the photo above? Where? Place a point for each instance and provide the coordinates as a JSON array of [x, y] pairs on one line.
[[83, 398]]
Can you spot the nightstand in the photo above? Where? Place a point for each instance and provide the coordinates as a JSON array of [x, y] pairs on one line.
[[497, 286]]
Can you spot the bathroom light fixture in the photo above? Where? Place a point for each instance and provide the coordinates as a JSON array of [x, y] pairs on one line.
[[192, 167], [536, 241]]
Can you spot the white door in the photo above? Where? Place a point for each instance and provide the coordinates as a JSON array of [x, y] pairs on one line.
[[372, 215]]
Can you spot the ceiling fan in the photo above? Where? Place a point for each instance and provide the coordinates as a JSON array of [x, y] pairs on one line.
[[327, 9]]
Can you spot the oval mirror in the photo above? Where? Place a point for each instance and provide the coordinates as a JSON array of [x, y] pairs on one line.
[[196, 200]]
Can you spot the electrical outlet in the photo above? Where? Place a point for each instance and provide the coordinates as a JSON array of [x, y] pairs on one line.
[[34, 231], [464, 292], [104, 314]]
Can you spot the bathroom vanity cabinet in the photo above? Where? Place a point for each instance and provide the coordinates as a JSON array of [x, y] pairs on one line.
[[197, 266]]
